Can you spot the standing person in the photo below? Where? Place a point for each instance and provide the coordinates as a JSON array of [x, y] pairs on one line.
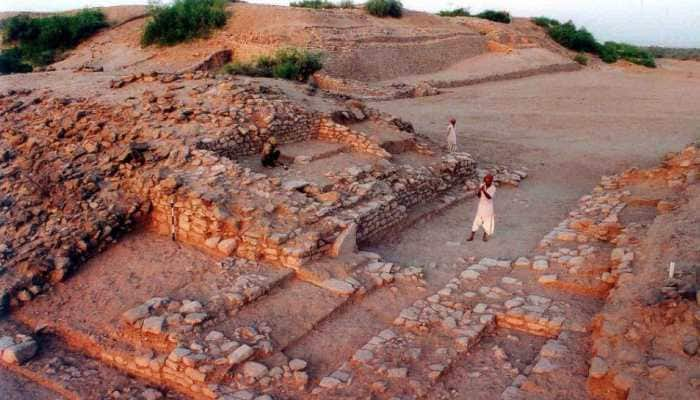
[[452, 136], [270, 154], [484, 213]]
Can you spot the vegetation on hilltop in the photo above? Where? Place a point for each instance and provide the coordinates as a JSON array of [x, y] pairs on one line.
[[384, 8], [183, 20], [496, 16], [322, 4], [579, 39], [40, 41], [457, 12], [287, 63], [491, 15]]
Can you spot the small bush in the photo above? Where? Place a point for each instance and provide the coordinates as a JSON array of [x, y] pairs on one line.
[[11, 62], [496, 16], [384, 8], [40, 41], [346, 4], [288, 63], [610, 52], [295, 64], [240, 68], [183, 20], [545, 22], [457, 12], [315, 4], [573, 38], [581, 59]]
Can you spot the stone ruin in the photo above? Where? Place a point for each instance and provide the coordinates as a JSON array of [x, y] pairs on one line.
[[173, 160], [77, 173], [180, 158]]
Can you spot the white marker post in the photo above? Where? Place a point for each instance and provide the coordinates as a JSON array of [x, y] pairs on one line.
[[671, 270]]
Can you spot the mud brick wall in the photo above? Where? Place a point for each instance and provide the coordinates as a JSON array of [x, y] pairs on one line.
[[365, 61], [214, 230], [379, 216], [247, 140], [358, 141], [388, 211]]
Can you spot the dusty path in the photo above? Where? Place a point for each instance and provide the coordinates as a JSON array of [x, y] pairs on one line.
[[13, 387], [568, 129]]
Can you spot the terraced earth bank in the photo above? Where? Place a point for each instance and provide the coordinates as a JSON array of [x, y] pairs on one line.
[[145, 253]]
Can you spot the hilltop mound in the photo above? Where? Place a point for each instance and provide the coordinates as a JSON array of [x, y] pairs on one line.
[[357, 46]]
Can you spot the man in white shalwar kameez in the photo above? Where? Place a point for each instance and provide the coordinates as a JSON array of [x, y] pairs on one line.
[[484, 214], [451, 136]]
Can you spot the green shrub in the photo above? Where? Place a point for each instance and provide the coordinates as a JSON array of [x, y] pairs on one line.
[[296, 64], [496, 16], [240, 68], [581, 59], [183, 20], [457, 12], [41, 40], [573, 38], [288, 63], [581, 40], [346, 4], [612, 51], [286, 70], [315, 4], [11, 62], [545, 22], [607, 54], [384, 8]]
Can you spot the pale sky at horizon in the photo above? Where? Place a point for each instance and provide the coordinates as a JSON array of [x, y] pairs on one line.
[[673, 23]]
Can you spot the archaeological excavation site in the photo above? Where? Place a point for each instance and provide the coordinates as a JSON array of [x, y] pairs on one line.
[[146, 253]]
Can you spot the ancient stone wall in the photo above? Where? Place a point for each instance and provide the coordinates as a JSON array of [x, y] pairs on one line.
[[420, 188], [365, 61], [358, 141]]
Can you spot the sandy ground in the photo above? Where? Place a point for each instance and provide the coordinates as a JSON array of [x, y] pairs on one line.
[[13, 387], [567, 128]]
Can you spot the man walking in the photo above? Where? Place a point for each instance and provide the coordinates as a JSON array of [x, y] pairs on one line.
[[484, 213], [452, 136]]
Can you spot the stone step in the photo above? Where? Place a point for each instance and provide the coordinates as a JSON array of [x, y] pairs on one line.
[[350, 327], [73, 375], [290, 310]]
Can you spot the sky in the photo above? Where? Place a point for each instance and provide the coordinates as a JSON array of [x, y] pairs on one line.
[[674, 23]]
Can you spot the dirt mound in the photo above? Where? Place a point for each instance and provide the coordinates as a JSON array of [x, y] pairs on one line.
[[646, 337], [357, 45]]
